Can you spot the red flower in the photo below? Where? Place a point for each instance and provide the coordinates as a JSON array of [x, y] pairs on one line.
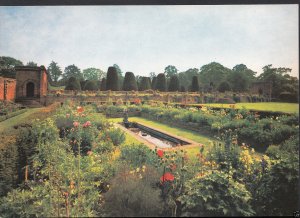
[[79, 109], [87, 124], [160, 153], [76, 124], [167, 177]]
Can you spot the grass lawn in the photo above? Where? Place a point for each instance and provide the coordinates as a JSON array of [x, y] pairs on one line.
[[174, 130], [264, 106], [8, 124]]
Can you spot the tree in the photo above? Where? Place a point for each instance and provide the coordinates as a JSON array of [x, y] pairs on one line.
[[112, 81], [280, 78], [129, 83], [152, 75], [186, 77], [92, 74], [195, 84], [240, 78], [212, 74], [31, 64], [103, 85], [182, 89], [224, 86], [161, 83], [174, 84], [145, 84], [170, 71], [120, 75], [7, 65], [54, 71], [91, 85], [153, 83], [72, 71], [73, 84]]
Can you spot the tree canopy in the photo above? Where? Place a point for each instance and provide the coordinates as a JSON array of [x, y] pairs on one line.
[[93, 74], [170, 71], [54, 71], [72, 71]]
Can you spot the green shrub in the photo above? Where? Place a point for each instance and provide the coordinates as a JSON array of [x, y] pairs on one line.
[[73, 84], [215, 194], [161, 83], [112, 80], [91, 85], [116, 136], [129, 82]]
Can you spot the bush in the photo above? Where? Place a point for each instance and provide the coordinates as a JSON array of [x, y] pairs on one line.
[[116, 136], [112, 81], [205, 196], [73, 84], [161, 84], [103, 85], [225, 101], [134, 195], [129, 82], [145, 84], [174, 84], [195, 84], [224, 86], [91, 85]]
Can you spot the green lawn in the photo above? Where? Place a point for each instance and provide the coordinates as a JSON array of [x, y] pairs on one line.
[[174, 130], [264, 106], [8, 124]]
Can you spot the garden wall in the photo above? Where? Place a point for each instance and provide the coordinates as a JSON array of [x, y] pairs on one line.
[[7, 89]]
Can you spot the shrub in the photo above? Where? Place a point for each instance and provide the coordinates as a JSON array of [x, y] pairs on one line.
[[91, 85], [153, 83], [174, 84], [145, 84], [161, 84], [116, 136], [224, 86], [205, 196], [225, 101], [129, 82], [112, 81], [103, 84], [133, 193], [73, 84], [195, 84]]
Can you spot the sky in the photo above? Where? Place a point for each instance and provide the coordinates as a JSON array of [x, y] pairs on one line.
[[144, 39]]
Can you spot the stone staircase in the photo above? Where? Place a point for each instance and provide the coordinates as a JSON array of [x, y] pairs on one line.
[[29, 102]]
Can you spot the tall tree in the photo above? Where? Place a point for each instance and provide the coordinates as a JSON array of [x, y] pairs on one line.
[[152, 75], [174, 84], [145, 84], [195, 84], [213, 74], [120, 75], [153, 83], [186, 77], [92, 74], [72, 71], [54, 71], [31, 64], [103, 84], [129, 83], [170, 70], [161, 84], [241, 78], [112, 80]]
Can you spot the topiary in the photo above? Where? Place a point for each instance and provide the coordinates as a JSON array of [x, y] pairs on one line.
[[161, 84], [112, 81], [129, 82], [195, 84], [174, 84], [73, 84], [91, 85]]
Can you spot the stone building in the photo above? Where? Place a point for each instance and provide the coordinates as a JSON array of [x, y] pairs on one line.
[[32, 84], [7, 89]]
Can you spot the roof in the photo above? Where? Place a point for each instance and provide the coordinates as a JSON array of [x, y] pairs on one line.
[[29, 68]]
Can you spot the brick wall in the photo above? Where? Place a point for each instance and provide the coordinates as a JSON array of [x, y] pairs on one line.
[[10, 93]]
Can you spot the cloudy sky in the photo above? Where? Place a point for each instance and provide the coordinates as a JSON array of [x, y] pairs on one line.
[[145, 39]]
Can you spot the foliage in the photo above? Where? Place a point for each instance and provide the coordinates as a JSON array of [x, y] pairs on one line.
[[129, 83], [54, 71], [93, 74], [170, 71], [133, 193], [174, 84], [195, 84], [91, 85], [73, 84], [153, 83], [161, 84], [224, 86], [145, 84], [72, 71], [116, 136], [103, 84], [216, 194], [112, 81]]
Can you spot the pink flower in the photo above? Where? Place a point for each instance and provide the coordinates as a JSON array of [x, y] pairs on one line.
[[76, 124], [89, 153], [79, 109], [67, 115], [87, 124]]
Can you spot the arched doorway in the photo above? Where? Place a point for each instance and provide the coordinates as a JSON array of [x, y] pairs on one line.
[[30, 89]]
